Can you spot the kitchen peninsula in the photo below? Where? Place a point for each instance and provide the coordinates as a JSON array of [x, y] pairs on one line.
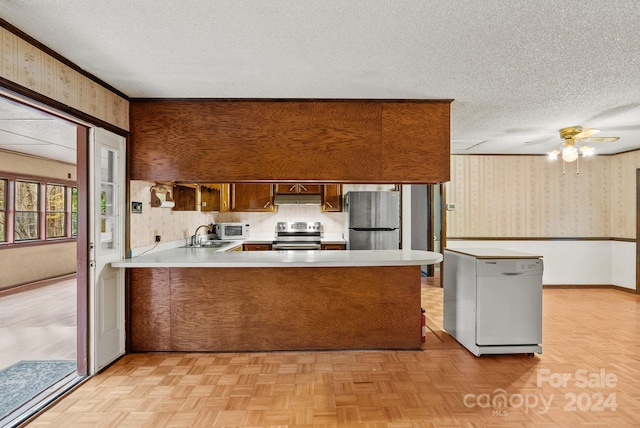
[[197, 299]]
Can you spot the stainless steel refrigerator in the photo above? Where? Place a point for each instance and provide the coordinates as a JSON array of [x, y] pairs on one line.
[[373, 220]]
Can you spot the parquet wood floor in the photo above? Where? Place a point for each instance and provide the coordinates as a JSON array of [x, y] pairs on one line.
[[587, 376]]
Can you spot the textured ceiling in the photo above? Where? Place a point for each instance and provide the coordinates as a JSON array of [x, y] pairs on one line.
[[517, 70]]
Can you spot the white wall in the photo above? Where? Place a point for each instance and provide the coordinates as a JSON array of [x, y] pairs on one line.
[[623, 262], [573, 262]]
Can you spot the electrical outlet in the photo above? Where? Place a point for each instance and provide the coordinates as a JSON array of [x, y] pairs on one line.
[[157, 238]]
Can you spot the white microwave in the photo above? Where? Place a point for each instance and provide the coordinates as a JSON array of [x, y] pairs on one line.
[[231, 231]]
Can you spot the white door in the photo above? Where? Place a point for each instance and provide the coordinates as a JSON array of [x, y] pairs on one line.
[[107, 202]]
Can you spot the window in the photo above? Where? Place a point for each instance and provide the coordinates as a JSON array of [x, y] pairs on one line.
[[27, 219], [3, 209], [74, 211], [56, 214], [33, 210]]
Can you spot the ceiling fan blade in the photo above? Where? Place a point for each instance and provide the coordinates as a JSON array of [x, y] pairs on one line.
[[600, 139], [585, 133]]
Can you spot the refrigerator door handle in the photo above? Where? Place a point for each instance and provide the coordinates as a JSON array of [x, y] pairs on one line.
[[383, 229]]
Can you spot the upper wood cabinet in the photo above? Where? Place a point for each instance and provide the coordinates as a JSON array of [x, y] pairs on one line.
[[289, 189], [184, 198], [332, 198], [266, 141], [214, 197], [252, 197]]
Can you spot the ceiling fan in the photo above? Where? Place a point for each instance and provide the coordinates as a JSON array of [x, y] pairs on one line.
[[573, 137]]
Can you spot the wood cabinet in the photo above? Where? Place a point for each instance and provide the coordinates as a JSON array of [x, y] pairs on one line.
[[185, 198], [332, 198], [256, 247], [214, 197], [333, 247], [352, 141], [291, 189], [252, 197]]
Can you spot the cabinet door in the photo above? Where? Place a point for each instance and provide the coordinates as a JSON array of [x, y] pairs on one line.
[[256, 247], [329, 247], [311, 189], [286, 189], [214, 197], [252, 197], [185, 198], [332, 198]]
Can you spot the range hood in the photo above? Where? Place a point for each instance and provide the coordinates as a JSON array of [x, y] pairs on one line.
[[297, 199]]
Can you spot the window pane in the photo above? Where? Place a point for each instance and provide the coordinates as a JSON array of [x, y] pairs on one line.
[[108, 234], [26, 225], [55, 198], [74, 211], [26, 196], [3, 187], [3, 214], [56, 216], [55, 225], [107, 166]]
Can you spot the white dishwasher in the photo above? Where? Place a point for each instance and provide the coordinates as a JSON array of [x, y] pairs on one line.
[[493, 300]]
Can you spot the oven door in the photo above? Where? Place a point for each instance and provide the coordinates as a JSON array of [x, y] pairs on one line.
[[299, 246]]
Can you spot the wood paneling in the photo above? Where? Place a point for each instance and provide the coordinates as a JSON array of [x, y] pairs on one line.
[[361, 141], [150, 303], [276, 308], [415, 142]]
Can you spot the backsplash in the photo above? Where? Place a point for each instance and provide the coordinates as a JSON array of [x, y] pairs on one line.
[[170, 225], [179, 225]]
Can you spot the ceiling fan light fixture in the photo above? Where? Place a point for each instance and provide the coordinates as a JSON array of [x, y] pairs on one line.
[[587, 151], [553, 155], [569, 154]]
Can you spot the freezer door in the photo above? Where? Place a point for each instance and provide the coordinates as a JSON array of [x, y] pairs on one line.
[[371, 210], [373, 239]]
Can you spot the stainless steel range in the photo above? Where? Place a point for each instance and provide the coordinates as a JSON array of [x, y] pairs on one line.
[[298, 235]]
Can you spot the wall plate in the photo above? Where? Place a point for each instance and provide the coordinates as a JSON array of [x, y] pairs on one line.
[[136, 207]]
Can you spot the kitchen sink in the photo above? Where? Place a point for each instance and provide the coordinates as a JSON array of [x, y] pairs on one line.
[[210, 244]]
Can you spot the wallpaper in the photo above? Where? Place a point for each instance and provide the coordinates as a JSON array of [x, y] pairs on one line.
[[530, 197], [26, 65]]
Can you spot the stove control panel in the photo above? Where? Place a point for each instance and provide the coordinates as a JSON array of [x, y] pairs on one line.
[[299, 226]]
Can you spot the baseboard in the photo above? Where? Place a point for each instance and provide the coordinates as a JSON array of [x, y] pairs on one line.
[[36, 284], [586, 286]]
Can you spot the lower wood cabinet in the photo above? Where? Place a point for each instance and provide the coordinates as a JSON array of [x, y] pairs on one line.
[[256, 247], [333, 246]]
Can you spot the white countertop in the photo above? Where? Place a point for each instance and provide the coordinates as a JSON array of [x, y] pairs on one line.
[[206, 257], [493, 253]]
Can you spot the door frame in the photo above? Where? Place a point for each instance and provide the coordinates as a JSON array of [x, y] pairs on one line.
[[637, 230]]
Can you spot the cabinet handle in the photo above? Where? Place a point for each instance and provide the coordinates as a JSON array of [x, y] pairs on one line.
[[266, 205], [329, 204], [304, 189]]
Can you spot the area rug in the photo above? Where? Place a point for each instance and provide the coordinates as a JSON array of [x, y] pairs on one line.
[[26, 379]]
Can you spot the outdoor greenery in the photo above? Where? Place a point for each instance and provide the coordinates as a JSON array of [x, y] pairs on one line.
[[27, 210]]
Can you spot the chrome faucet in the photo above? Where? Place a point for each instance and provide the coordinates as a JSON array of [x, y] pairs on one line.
[[194, 237]]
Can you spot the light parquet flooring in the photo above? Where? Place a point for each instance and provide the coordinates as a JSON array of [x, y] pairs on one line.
[[591, 339]]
